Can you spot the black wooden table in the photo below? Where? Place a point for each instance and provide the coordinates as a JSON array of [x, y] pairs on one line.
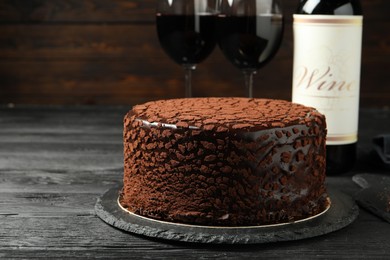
[[55, 162]]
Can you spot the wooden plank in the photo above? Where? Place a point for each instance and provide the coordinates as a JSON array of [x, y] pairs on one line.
[[114, 83], [69, 136], [61, 139], [107, 52], [85, 64], [59, 180], [106, 80], [71, 11], [74, 11], [51, 180], [82, 157], [137, 43], [89, 235], [73, 42], [49, 213], [33, 124], [43, 204]]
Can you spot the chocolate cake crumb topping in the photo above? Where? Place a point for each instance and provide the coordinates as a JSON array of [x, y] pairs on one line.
[[224, 161], [225, 113]]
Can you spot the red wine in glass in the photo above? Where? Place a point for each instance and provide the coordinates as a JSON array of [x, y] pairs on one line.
[[186, 31], [187, 39], [249, 34]]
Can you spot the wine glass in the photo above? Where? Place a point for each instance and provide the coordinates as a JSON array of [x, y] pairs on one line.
[[186, 31], [249, 34]]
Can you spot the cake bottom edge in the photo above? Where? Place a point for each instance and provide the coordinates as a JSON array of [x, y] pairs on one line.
[[203, 219]]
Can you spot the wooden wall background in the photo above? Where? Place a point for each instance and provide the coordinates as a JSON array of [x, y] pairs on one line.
[[106, 52]]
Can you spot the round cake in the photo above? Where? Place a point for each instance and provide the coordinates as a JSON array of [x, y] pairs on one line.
[[224, 161]]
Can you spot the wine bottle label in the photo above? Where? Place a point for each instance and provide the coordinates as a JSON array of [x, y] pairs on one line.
[[326, 74]]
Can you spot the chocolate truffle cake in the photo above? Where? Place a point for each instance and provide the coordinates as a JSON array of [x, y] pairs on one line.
[[224, 161]]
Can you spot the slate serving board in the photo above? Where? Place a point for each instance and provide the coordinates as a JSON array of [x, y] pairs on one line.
[[341, 213], [375, 195]]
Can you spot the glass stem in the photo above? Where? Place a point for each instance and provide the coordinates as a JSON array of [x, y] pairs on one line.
[[248, 76], [188, 68]]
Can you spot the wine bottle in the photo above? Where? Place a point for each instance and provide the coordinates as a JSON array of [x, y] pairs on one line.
[[326, 72]]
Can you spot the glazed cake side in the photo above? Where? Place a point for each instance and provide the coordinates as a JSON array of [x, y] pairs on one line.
[[224, 161]]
